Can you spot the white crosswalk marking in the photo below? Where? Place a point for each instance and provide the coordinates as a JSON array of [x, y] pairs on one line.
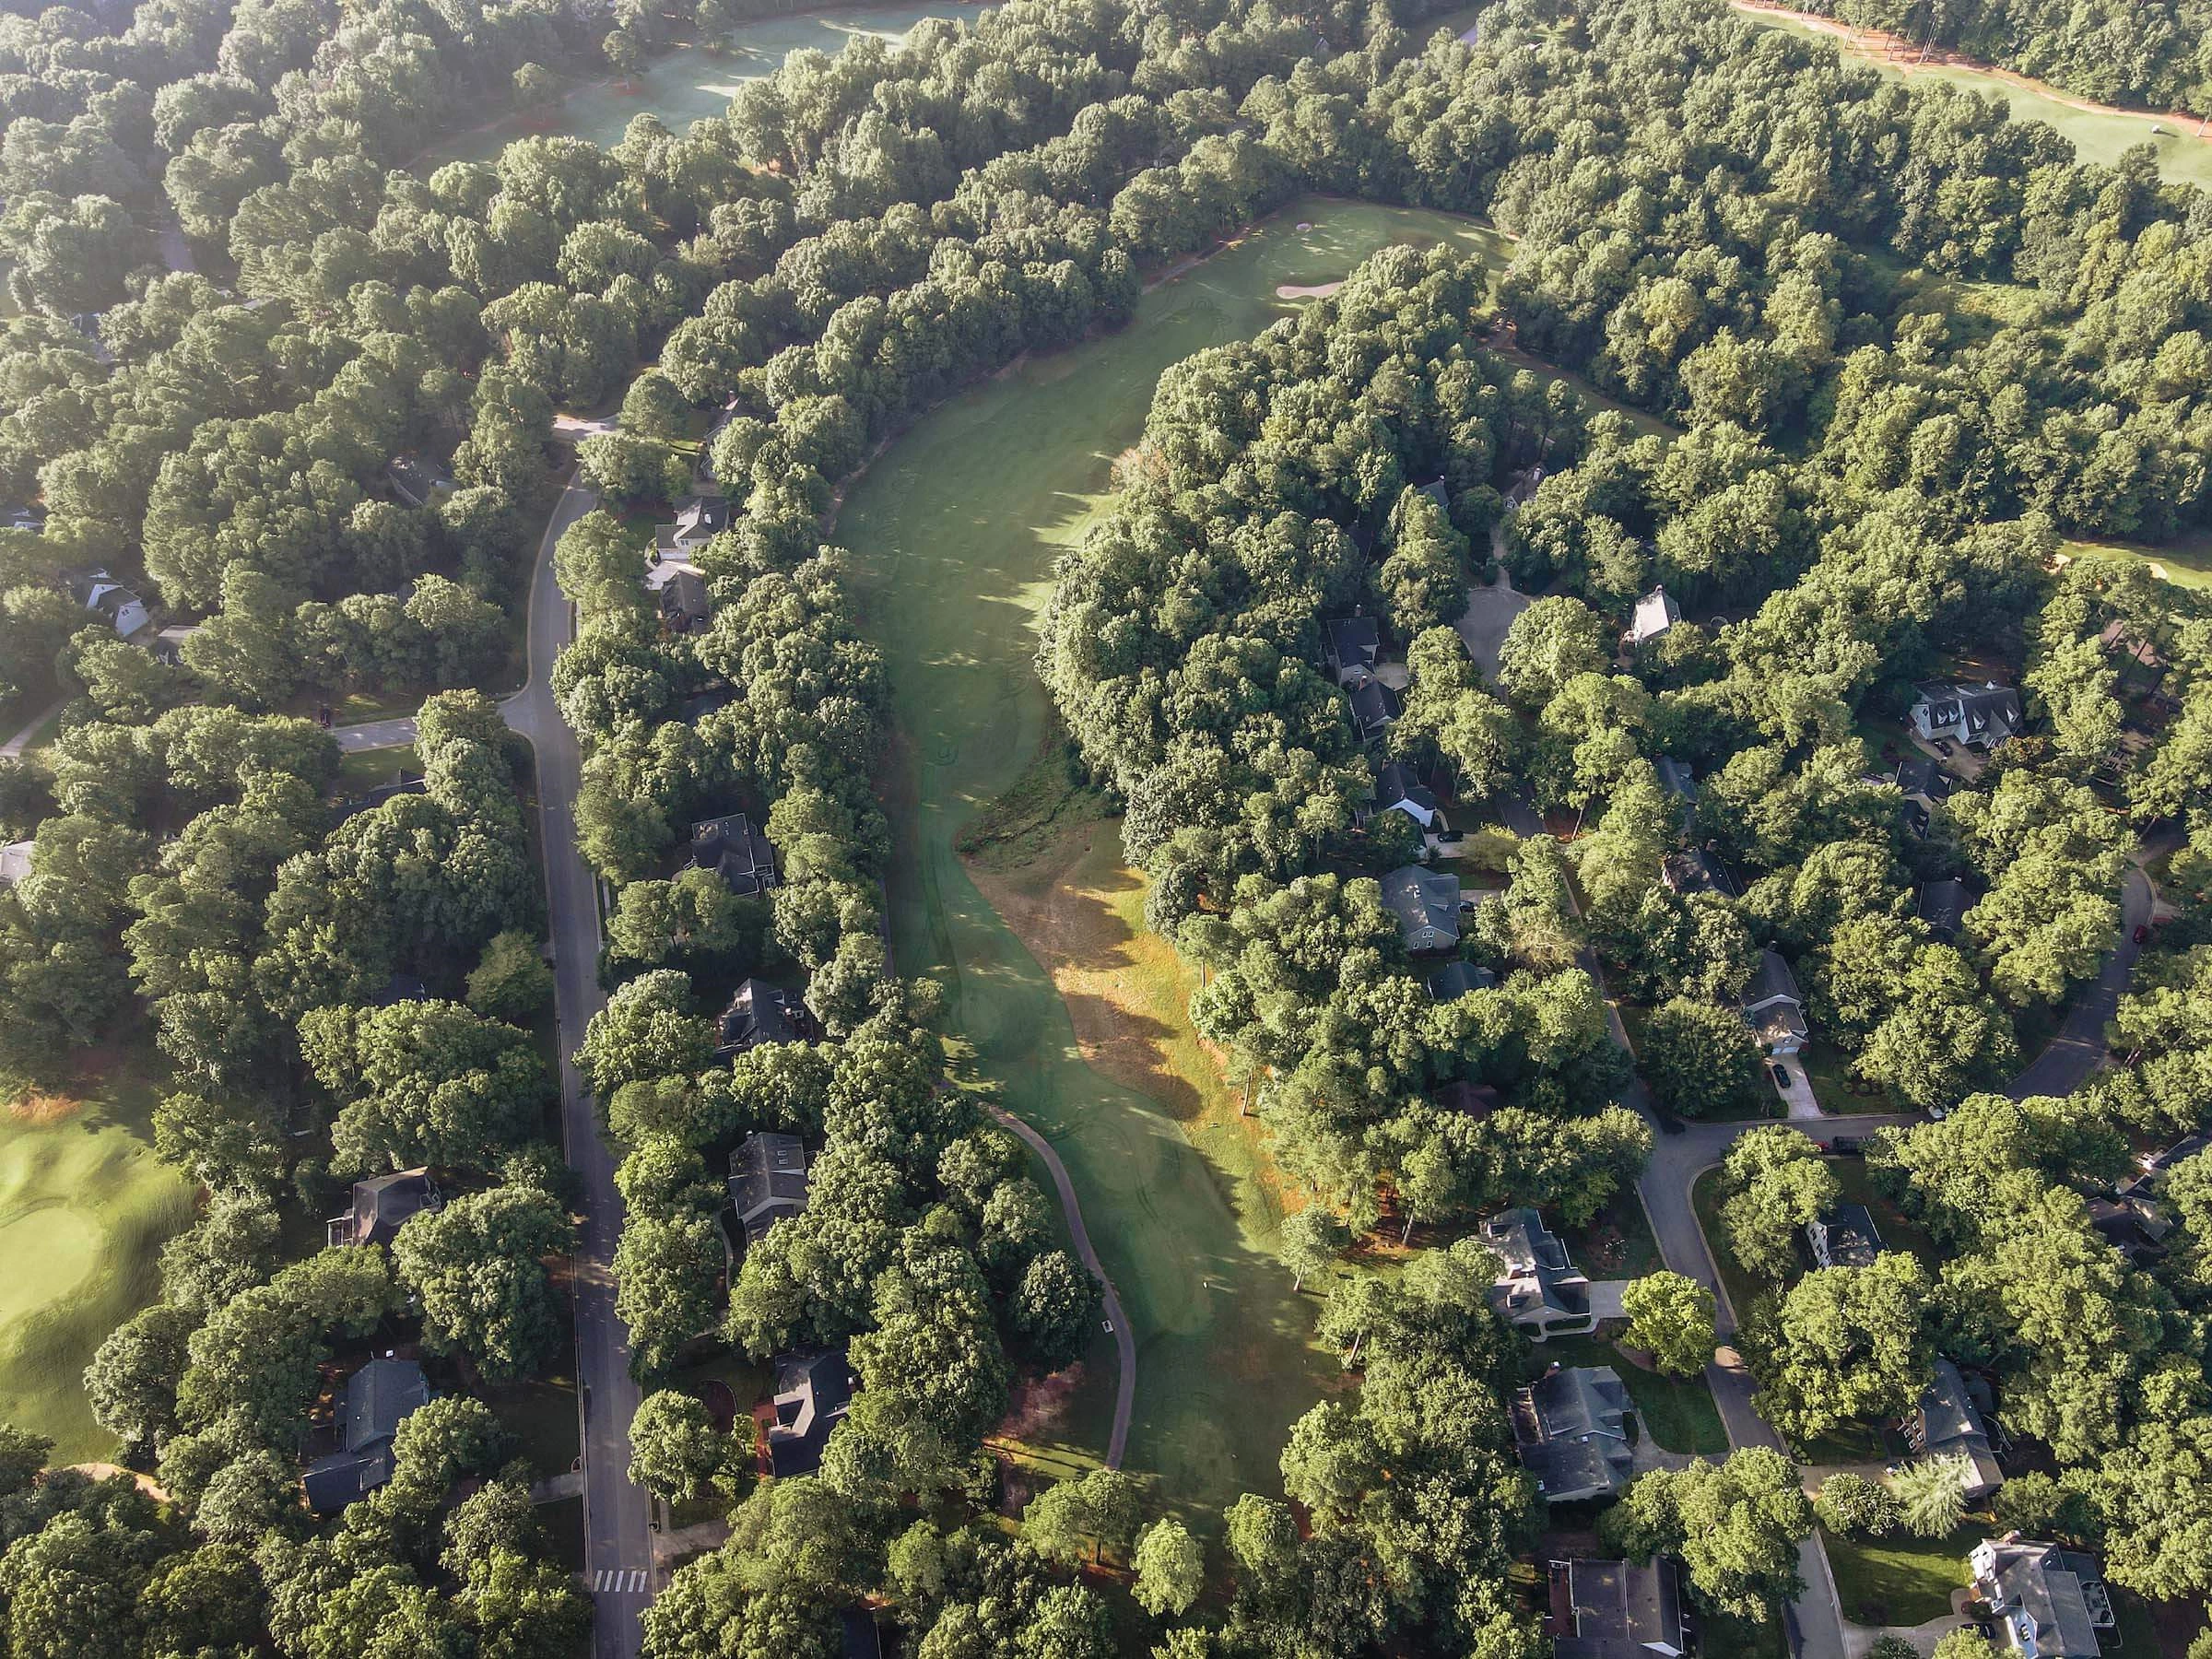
[[621, 1581]]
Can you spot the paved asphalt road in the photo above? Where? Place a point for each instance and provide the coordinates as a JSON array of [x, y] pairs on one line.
[[617, 1515], [379, 733], [1124, 1397]]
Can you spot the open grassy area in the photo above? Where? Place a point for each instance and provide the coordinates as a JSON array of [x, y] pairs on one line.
[[954, 544], [693, 81], [84, 1209], [360, 770], [1900, 1579], [2187, 563], [1677, 1412], [2097, 135]]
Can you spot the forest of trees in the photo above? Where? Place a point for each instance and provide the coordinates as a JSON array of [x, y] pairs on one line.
[[1907, 347]]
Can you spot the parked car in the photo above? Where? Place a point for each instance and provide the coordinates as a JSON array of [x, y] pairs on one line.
[[1943, 748], [1781, 1075], [1846, 1145], [2142, 931]]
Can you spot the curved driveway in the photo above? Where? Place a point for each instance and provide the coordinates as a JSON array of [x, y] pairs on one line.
[[1124, 1397]]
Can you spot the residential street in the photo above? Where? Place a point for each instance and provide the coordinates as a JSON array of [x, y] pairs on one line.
[[385, 734], [617, 1515]]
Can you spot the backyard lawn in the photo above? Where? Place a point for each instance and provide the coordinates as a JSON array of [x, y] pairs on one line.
[[1677, 1412], [1900, 1579], [84, 1209]]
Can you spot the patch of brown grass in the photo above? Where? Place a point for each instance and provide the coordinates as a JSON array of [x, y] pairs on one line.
[[38, 1110]]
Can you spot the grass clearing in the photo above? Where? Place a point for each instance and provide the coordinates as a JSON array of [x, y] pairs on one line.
[[1677, 1412], [2187, 563], [84, 1209], [954, 545], [360, 770], [1900, 1579], [692, 82]]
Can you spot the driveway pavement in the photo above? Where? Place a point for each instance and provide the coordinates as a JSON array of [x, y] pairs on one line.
[[2078, 1050]]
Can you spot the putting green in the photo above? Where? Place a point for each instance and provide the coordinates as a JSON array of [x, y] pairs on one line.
[[954, 530], [84, 1207], [693, 81]]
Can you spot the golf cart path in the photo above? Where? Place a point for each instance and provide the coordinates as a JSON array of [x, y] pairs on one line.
[[1124, 1342]]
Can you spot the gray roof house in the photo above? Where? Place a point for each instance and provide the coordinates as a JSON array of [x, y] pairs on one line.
[[1537, 1285], [1979, 716], [2133, 1223], [1696, 871], [1427, 904], [377, 1399], [168, 645], [1375, 707], [1923, 778], [759, 1013], [699, 520], [1616, 1610], [416, 481], [1947, 1423], [734, 851], [15, 861], [1398, 788], [1943, 906], [110, 601], [1677, 779], [1455, 979], [1845, 1237], [1570, 1429], [1352, 645], [1655, 613], [683, 599], [2050, 1603], [813, 1393], [767, 1182], [1774, 1007], [382, 1205]]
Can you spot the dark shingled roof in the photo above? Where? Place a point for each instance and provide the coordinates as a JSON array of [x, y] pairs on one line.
[[767, 1182], [733, 850], [1570, 1427], [1618, 1611], [813, 1393], [1454, 980], [1353, 643], [1846, 1235], [758, 1013], [377, 1399], [383, 1204]]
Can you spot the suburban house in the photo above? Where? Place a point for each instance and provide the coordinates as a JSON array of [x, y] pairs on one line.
[[1570, 1429], [1774, 1007], [734, 851], [1655, 613], [376, 1400], [859, 1636], [168, 646], [110, 601], [382, 1205], [1979, 716], [403, 783], [1467, 1099], [1616, 1610], [2155, 1165], [1946, 1422], [1845, 1237], [1696, 871], [759, 1013], [1455, 979], [1398, 788], [15, 861], [1353, 645], [683, 598], [2050, 1602], [1375, 707], [2134, 1224], [813, 1393], [1681, 784], [416, 481], [767, 1182], [1537, 1287], [1923, 778], [1426, 904], [15, 516], [699, 520], [1943, 906]]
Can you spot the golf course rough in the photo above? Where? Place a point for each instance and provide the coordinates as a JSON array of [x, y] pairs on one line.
[[953, 531]]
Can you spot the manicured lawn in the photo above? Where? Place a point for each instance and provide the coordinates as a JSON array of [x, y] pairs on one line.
[[2187, 563], [954, 547], [1898, 1232], [360, 770], [1677, 1412], [1721, 1637], [84, 1209], [1824, 1065], [1900, 1579], [1617, 1244], [1743, 1290]]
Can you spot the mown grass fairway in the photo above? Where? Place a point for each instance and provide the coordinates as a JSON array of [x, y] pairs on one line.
[[694, 81], [954, 530], [84, 1210]]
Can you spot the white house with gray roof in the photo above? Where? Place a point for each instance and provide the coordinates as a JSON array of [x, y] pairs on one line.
[[1774, 1008], [1947, 1423], [1655, 613], [1979, 716], [1536, 1288], [2050, 1603]]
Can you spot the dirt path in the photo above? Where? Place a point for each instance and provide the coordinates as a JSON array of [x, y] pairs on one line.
[[1909, 59]]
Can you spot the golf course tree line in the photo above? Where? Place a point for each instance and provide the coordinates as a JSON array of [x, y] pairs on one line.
[[2157, 56], [333, 1003]]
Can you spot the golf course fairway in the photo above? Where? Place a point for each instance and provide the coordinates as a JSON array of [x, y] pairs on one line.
[[954, 530]]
